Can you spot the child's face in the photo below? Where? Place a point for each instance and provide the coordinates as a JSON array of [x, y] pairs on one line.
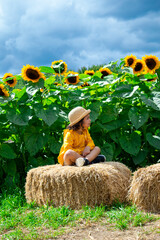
[[86, 121]]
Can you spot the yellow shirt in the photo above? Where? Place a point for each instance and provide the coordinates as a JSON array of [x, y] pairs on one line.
[[75, 141]]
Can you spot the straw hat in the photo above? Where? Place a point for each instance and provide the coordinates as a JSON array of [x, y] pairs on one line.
[[76, 114]]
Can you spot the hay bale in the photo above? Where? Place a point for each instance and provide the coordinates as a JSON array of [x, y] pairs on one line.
[[145, 188], [73, 186]]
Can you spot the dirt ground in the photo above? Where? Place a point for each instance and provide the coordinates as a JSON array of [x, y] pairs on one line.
[[93, 231]]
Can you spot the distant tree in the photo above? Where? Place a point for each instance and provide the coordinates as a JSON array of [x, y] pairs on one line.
[[93, 67]]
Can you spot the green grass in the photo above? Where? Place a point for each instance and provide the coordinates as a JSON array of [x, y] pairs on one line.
[[19, 220]]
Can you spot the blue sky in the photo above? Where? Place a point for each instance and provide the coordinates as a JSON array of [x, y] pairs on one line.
[[80, 32]]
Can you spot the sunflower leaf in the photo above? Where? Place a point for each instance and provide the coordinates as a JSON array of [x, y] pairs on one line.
[[125, 91], [44, 69], [6, 151], [153, 140], [34, 140], [19, 116], [152, 102], [107, 150], [140, 157], [138, 116], [130, 143], [10, 167], [49, 115], [95, 108]]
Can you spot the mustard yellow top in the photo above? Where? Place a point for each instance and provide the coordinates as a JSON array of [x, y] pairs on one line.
[[75, 141]]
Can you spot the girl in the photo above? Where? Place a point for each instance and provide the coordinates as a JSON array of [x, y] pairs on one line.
[[78, 147]]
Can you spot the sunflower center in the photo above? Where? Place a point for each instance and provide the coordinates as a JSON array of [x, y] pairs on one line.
[[130, 61], [72, 79], [32, 74], [150, 63], [10, 81], [91, 74], [1, 92], [138, 67], [104, 74]]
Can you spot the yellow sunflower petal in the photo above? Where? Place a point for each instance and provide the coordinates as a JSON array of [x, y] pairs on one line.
[[105, 72], [72, 78], [60, 67], [139, 66], [89, 72], [152, 63], [130, 60], [31, 73], [3, 91]]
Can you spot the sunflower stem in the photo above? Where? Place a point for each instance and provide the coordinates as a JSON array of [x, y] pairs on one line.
[[60, 76]]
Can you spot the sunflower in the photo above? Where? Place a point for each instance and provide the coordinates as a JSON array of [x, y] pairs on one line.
[[139, 66], [85, 84], [89, 72], [72, 78], [152, 63], [60, 67], [31, 73], [10, 82], [130, 60], [105, 72], [3, 91]]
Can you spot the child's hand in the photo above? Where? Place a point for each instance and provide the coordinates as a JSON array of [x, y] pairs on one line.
[[86, 151]]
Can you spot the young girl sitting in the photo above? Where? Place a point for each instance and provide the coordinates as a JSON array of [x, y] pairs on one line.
[[78, 147]]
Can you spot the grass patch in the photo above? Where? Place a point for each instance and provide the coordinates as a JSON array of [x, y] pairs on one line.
[[19, 220]]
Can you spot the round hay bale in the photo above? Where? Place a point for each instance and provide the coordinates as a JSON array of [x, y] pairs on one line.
[[145, 188], [72, 186]]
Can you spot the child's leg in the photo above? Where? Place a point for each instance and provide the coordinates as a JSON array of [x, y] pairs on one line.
[[70, 157], [93, 154]]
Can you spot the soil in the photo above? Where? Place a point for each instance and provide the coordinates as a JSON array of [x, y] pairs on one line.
[[99, 231]]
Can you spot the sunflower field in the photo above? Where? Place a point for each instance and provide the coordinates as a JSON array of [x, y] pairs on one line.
[[124, 99]]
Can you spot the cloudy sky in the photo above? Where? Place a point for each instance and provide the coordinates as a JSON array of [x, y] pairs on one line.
[[80, 32]]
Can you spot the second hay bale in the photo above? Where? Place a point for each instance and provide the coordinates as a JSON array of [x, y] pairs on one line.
[[95, 184], [145, 188]]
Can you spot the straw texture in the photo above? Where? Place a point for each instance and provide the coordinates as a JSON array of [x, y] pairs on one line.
[[145, 188], [96, 184]]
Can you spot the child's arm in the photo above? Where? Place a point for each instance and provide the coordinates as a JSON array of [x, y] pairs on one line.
[[86, 151]]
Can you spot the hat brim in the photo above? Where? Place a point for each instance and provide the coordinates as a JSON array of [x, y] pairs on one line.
[[80, 118]]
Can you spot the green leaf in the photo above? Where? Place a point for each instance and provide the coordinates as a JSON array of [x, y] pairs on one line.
[[19, 116], [10, 167], [153, 140], [108, 114], [38, 85], [130, 143], [49, 115], [50, 80], [34, 140], [155, 114], [116, 123], [152, 102], [140, 157], [125, 91], [107, 151], [31, 90], [138, 116], [55, 146], [6, 151], [114, 135], [127, 70], [95, 109], [46, 69], [158, 72]]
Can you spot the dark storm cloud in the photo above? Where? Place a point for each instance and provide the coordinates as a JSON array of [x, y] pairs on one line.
[[79, 32]]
